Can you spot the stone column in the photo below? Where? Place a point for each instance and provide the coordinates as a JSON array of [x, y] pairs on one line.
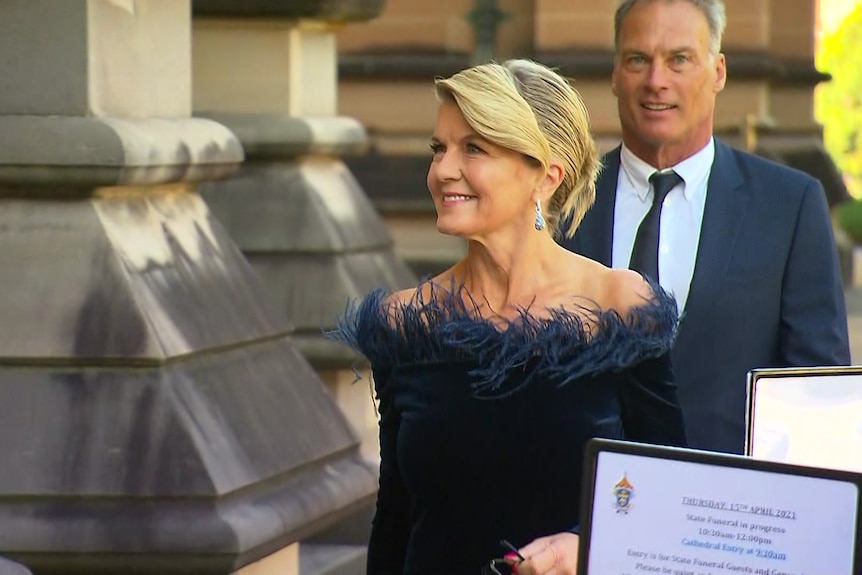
[[743, 106], [792, 38], [269, 72], [155, 416], [578, 36], [797, 138]]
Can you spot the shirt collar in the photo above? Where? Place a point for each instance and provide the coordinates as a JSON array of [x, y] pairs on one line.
[[693, 170]]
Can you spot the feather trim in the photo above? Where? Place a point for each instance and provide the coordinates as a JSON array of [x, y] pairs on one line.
[[444, 328]]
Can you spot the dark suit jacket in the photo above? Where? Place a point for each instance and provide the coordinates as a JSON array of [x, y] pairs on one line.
[[766, 289]]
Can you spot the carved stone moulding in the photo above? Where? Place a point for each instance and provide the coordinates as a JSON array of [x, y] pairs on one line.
[[410, 63], [302, 221], [196, 467], [73, 151], [336, 10]]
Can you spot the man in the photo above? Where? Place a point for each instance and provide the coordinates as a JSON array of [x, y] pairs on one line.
[[745, 245]]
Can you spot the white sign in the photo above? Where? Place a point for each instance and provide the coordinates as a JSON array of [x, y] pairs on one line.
[[653, 515], [808, 419]]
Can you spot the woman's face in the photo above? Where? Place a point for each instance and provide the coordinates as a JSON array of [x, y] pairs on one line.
[[479, 189]]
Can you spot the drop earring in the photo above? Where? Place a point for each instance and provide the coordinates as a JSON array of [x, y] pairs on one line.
[[540, 219]]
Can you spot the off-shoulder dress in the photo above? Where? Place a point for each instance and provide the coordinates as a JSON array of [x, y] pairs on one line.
[[483, 426]]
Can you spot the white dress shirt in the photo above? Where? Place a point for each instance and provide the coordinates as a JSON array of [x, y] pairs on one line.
[[681, 216]]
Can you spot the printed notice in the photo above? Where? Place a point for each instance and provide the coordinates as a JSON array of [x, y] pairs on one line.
[[684, 518]]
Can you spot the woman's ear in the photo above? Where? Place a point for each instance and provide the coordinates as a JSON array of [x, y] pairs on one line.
[[553, 178]]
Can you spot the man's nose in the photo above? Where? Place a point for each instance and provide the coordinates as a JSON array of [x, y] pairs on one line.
[[657, 75]]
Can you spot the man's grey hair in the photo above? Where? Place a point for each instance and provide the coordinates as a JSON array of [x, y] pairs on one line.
[[713, 10]]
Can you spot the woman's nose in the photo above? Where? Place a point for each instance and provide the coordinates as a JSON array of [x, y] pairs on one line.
[[448, 165]]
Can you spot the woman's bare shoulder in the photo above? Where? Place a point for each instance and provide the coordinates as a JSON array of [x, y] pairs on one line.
[[423, 292], [627, 289], [609, 288], [401, 297]]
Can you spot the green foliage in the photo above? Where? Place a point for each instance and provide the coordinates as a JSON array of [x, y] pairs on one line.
[[839, 102], [849, 217]]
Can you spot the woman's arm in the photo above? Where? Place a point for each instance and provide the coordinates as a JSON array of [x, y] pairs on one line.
[[650, 408], [391, 525]]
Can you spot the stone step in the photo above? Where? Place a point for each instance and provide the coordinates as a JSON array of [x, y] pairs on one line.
[[332, 559]]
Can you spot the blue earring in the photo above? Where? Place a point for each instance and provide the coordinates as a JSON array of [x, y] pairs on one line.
[[540, 219]]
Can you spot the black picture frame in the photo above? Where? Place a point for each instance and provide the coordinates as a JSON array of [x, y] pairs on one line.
[[839, 386], [592, 492]]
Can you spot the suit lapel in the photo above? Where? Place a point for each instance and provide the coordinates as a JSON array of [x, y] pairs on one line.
[[726, 202], [595, 234]]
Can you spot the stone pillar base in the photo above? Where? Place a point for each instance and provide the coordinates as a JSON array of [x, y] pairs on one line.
[[157, 418]]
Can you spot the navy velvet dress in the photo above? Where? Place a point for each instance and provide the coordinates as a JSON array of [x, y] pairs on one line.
[[482, 428]]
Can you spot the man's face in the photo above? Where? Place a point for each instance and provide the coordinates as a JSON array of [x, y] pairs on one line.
[[666, 81]]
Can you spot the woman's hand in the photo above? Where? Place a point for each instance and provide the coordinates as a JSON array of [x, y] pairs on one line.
[[553, 555]]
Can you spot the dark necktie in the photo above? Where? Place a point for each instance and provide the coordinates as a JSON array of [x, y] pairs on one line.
[[645, 251]]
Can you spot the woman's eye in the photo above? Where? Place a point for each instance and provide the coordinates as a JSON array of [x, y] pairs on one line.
[[474, 149], [437, 147]]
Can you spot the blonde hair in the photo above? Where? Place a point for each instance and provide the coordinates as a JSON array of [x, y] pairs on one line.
[[531, 109]]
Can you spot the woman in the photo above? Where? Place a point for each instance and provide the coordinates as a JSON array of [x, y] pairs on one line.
[[491, 376]]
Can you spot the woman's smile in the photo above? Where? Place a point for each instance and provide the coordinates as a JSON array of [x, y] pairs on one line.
[[454, 199]]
